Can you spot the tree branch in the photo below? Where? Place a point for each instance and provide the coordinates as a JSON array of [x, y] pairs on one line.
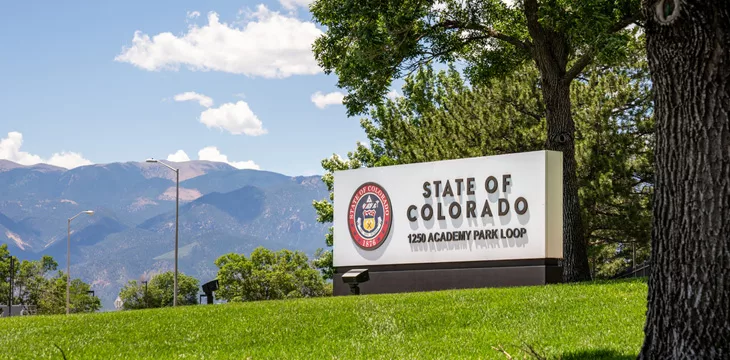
[[452, 24], [579, 65], [523, 110], [411, 68], [533, 23], [509, 39], [587, 58]]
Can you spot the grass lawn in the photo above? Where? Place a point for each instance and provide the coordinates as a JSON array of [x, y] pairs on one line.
[[583, 321]]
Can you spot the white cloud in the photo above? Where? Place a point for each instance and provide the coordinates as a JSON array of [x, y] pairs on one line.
[[237, 118], [191, 95], [68, 160], [211, 153], [269, 44], [438, 6], [179, 156], [393, 94], [323, 100], [193, 14], [292, 4], [10, 150]]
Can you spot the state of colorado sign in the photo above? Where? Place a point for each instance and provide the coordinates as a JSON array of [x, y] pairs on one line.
[[369, 217], [503, 207]]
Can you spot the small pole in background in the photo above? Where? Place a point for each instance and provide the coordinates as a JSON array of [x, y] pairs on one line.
[[10, 294], [145, 293], [633, 257]]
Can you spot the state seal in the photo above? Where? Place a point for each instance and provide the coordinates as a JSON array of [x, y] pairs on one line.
[[370, 217]]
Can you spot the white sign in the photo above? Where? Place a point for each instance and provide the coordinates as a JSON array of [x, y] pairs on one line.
[[487, 208]]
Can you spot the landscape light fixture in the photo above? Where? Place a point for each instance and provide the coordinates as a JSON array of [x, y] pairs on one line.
[[177, 212], [208, 289], [68, 261], [354, 277], [118, 303]]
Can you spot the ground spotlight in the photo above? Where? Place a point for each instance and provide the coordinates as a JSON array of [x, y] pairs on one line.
[[208, 289], [354, 277]]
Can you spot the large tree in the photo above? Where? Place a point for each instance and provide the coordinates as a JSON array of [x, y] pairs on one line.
[[268, 275], [158, 292], [33, 285], [688, 46], [52, 299], [368, 43]]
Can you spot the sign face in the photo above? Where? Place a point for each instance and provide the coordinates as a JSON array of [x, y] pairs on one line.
[[487, 208]]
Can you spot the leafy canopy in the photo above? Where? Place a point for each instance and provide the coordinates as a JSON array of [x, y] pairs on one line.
[[34, 284], [267, 275], [159, 292], [368, 43]]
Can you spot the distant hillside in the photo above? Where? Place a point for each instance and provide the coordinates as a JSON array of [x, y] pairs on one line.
[[222, 209]]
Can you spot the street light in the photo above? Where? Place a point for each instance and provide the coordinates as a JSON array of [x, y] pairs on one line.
[[68, 261], [177, 211]]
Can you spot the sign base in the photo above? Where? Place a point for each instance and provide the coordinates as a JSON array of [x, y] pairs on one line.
[[385, 279]]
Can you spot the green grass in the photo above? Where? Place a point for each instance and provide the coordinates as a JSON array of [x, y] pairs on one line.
[[593, 320]]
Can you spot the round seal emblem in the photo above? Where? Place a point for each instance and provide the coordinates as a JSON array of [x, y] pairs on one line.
[[370, 217]]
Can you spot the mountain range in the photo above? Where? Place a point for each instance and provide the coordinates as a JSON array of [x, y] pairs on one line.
[[132, 232]]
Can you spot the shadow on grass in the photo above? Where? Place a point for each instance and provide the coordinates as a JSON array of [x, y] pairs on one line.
[[531, 353], [599, 354], [636, 280]]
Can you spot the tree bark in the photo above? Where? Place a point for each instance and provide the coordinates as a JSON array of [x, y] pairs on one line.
[[688, 45], [561, 137], [550, 52]]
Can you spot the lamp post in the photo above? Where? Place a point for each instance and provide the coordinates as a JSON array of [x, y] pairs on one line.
[[145, 293], [68, 261], [177, 212]]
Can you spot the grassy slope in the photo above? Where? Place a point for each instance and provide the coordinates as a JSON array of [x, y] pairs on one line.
[[572, 321]]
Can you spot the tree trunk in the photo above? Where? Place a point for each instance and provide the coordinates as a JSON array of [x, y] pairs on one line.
[[550, 52], [561, 137], [688, 45]]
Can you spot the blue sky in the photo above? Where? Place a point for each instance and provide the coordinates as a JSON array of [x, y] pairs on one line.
[[78, 90]]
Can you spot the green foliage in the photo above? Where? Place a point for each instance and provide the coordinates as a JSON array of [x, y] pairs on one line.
[[187, 288], [369, 43], [52, 300], [31, 281], [4, 273], [267, 275], [441, 118], [323, 261], [586, 321], [159, 292], [32, 285], [614, 151]]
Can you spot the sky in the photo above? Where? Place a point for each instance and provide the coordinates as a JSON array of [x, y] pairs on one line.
[[88, 82]]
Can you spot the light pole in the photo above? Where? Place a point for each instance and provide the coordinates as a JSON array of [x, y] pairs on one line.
[[68, 261], [177, 212], [145, 293]]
